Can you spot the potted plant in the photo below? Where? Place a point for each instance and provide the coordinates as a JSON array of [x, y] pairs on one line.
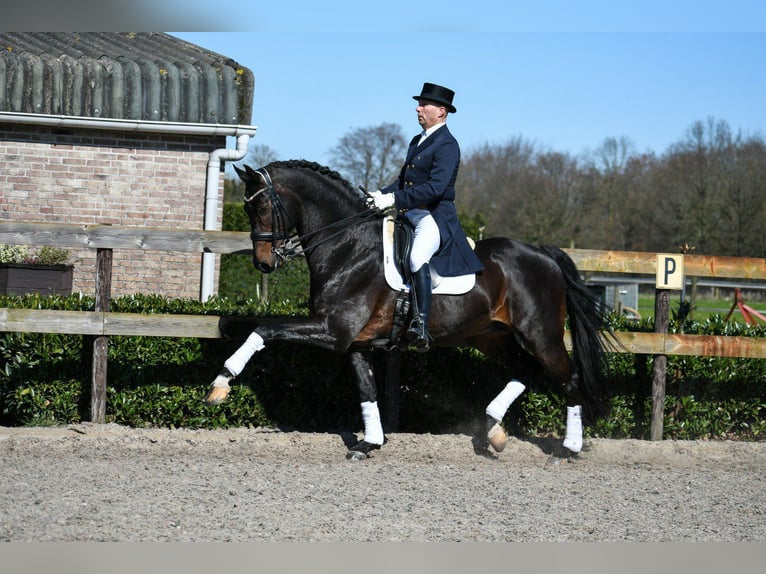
[[45, 270]]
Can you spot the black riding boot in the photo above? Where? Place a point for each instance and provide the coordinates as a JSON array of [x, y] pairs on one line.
[[421, 286]]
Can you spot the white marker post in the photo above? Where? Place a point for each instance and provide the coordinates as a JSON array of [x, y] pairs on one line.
[[670, 271], [670, 276]]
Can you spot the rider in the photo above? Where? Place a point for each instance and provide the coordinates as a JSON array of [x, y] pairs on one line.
[[425, 192]]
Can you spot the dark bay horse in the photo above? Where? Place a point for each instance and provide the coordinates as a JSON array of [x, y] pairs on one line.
[[521, 298]]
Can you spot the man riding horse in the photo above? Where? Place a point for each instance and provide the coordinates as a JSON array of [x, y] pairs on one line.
[[521, 298], [425, 193]]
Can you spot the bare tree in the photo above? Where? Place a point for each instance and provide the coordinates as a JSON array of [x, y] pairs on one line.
[[713, 191], [549, 201], [259, 155], [372, 156], [743, 194], [491, 183], [607, 201], [642, 214], [698, 181]]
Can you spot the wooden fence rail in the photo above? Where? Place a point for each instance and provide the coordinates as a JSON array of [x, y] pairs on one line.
[[149, 239], [114, 237], [641, 263], [206, 327], [103, 324]]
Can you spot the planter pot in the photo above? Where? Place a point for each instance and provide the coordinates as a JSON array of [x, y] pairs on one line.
[[23, 278]]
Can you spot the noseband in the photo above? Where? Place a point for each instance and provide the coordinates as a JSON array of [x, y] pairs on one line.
[[281, 223]]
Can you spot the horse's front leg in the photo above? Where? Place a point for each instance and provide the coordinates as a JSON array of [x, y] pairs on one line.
[[312, 332], [368, 395], [233, 366]]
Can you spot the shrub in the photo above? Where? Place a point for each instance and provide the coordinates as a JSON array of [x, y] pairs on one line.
[[160, 381], [45, 255], [13, 253]]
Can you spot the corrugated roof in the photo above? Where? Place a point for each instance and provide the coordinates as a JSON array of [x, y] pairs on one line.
[[127, 75]]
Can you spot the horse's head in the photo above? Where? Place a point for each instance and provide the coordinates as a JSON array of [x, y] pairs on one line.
[[270, 220], [304, 198]]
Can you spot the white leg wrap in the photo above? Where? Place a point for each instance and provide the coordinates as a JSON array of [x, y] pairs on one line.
[[500, 404], [236, 363], [573, 438], [373, 430]]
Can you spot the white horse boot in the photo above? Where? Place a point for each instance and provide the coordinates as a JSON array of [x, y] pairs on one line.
[[373, 433], [373, 430], [573, 437], [496, 410], [234, 365]]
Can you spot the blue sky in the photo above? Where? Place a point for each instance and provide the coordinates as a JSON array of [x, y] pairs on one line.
[[563, 74], [564, 91]]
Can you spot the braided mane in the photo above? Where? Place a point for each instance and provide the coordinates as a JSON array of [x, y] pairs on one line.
[[315, 167]]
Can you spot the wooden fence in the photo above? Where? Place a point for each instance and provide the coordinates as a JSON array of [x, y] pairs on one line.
[[102, 324]]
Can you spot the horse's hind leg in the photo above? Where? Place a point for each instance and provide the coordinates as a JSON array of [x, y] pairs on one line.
[[497, 437], [368, 395], [560, 368], [496, 410], [573, 435]]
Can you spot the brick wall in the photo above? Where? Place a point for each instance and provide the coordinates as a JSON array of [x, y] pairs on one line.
[[126, 179]]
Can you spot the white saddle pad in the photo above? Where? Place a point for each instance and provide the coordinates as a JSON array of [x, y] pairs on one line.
[[439, 285]]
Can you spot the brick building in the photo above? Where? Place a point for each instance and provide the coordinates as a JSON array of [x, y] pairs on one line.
[[128, 129]]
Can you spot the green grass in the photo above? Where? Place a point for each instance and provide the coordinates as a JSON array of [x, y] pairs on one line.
[[704, 307]]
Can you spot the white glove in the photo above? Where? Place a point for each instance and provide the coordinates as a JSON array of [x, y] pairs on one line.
[[383, 201]]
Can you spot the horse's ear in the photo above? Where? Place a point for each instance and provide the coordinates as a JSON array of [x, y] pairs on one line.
[[241, 173], [251, 172]]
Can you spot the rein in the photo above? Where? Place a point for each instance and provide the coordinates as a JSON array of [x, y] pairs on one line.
[[281, 223]]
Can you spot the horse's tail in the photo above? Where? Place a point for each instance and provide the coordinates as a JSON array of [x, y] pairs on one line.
[[586, 320]]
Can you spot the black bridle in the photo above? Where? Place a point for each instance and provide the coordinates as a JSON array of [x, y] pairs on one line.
[[281, 224]]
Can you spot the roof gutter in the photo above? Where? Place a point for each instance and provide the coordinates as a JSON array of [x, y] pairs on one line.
[[136, 126], [242, 133]]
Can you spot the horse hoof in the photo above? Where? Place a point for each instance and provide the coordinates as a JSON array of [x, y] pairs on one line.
[[217, 395], [563, 454], [554, 460], [497, 437], [361, 450], [354, 455]]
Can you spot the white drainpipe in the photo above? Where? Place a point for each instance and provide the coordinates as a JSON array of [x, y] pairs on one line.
[[211, 206], [242, 133]]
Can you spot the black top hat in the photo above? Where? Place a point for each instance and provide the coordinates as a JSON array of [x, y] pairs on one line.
[[438, 94]]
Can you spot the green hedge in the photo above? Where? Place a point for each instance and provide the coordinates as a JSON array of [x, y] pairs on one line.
[[158, 381]]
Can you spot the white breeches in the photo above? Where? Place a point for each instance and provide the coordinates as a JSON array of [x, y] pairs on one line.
[[426, 240]]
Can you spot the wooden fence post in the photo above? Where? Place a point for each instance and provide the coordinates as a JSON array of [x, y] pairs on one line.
[[659, 369], [101, 342]]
